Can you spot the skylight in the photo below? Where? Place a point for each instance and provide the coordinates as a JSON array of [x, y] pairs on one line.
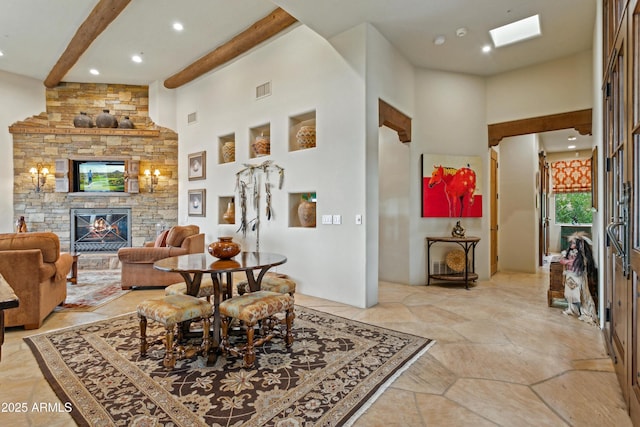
[[518, 31]]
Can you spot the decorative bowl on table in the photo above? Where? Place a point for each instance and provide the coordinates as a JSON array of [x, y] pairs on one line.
[[224, 248]]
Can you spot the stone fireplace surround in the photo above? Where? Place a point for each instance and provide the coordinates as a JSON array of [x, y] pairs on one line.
[[50, 136]]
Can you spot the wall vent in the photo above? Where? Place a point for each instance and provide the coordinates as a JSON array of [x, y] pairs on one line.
[[440, 267], [263, 90], [192, 118]]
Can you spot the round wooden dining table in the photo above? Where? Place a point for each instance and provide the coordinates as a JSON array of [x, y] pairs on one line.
[[192, 268]]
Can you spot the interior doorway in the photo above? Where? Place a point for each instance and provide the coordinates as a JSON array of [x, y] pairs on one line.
[[580, 120]]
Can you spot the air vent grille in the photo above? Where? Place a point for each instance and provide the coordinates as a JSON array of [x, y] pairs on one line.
[[192, 117], [263, 90]]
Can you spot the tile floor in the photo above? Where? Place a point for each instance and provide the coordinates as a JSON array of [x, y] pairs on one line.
[[502, 358]]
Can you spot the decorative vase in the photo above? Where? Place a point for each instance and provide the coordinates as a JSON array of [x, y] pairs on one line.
[[262, 146], [307, 213], [230, 214], [306, 137], [229, 151], [224, 248], [126, 123], [82, 121], [106, 120]]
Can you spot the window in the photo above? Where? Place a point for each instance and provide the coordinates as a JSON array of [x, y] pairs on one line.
[[573, 208]]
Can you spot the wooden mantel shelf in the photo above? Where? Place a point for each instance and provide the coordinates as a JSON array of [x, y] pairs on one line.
[[83, 131]]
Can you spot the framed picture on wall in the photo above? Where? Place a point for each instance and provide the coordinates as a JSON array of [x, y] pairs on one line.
[[449, 186], [197, 165], [197, 202]]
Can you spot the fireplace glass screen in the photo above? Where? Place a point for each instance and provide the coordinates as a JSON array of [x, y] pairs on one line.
[[100, 230]]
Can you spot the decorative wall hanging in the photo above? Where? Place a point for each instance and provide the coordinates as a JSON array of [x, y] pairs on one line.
[[449, 186], [197, 165], [249, 187], [197, 202]]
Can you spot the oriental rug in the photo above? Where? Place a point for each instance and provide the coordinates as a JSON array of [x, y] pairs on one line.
[[94, 289], [334, 370]]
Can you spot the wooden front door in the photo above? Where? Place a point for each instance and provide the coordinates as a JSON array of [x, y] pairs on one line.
[[494, 212]]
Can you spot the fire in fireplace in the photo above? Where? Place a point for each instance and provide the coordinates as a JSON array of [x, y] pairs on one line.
[[100, 230]]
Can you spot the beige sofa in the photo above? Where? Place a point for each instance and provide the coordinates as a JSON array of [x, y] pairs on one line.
[[137, 263], [36, 270]]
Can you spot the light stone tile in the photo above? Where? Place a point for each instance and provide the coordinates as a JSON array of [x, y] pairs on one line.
[[503, 403], [571, 393], [439, 411]]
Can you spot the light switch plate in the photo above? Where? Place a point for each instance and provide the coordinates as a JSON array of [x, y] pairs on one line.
[[327, 219], [337, 219]]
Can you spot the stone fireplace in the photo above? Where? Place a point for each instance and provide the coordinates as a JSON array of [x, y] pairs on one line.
[[50, 139], [100, 230]]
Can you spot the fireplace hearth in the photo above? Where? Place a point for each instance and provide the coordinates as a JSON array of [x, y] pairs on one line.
[[99, 230]]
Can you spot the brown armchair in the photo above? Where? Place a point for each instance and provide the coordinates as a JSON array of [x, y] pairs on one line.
[[36, 270], [137, 263]]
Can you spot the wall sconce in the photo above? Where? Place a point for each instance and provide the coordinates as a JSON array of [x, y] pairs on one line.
[[39, 176], [152, 179]]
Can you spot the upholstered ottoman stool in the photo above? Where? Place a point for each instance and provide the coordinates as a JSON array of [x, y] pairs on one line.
[[273, 282], [172, 310], [206, 289], [250, 309]]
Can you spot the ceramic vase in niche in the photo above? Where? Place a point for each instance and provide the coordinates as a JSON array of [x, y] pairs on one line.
[[125, 123], [262, 146], [229, 216], [106, 120], [307, 213], [82, 121], [306, 137], [224, 248], [229, 151]]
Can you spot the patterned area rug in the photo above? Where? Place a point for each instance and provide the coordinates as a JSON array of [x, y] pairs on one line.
[[94, 288], [335, 368]]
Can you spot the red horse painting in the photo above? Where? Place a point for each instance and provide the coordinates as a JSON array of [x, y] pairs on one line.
[[459, 187]]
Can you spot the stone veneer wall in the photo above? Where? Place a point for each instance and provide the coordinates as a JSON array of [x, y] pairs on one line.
[[50, 210]]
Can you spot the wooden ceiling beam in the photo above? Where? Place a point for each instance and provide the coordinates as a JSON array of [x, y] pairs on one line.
[[98, 20], [260, 31]]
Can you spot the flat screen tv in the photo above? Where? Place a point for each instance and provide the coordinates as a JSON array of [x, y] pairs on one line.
[[99, 176]]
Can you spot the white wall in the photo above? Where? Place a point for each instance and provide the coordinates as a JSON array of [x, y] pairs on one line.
[[518, 232], [22, 97], [306, 73], [389, 77], [450, 118], [553, 87]]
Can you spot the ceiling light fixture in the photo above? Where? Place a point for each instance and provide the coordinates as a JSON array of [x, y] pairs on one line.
[[1, 53], [439, 40], [486, 48], [136, 58], [571, 147], [461, 32], [178, 26], [572, 138], [94, 71], [521, 30]]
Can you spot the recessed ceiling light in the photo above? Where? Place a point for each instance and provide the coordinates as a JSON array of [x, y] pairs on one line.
[[461, 32], [178, 26], [516, 31], [1, 53], [486, 49], [572, 138], [136, 58], [571, 147], [439, 40], [94, 71]]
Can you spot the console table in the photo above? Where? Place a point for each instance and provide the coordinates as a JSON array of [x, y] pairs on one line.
[[468, 244], [8, 299]]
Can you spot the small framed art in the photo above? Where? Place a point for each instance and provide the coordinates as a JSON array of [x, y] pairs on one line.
[[197, 165], [197, 202]]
